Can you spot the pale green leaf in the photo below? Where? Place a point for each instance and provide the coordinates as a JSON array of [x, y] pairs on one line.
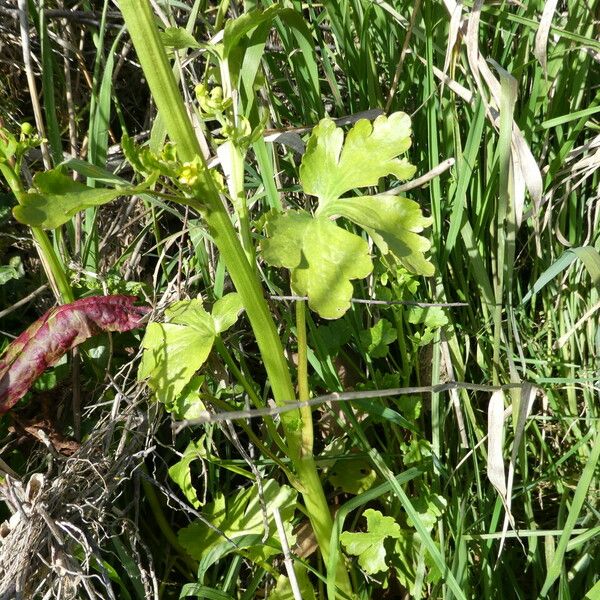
[[192, 314], [431, 316], [369, 545], [394, 223], [172, 355], [181, 474], [56, 198], [174, 351], [226, 311], [239, 516], [13, 270], [330, 168], [322, 257], [416, 452]]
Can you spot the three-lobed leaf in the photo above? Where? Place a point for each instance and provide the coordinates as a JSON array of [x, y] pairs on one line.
[[175, 350], [369, 545], [323, 257]]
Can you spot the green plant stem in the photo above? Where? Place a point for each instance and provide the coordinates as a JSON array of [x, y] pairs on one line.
[[142, 29], [52, 265], [322, 522], [50, 261], [303, 390], [242, 379], [233, 156]]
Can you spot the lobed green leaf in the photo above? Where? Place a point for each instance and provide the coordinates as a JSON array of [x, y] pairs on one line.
[[331, 167], [322, 257], [394, 224], [368, 546], [57, 197]]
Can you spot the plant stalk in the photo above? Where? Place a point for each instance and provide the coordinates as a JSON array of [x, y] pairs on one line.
[[142, 29], [52, 266]]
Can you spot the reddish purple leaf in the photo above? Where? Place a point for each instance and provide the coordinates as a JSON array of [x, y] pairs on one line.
[[60, 329]]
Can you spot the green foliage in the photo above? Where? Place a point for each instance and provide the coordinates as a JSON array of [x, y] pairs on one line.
[[325, 258], [408, 547], [283, 589], [181, 473], [240, 518], [56, 197], [520, 268], [394, 224], [176, 349], [331, 166], [178, 38], [353, 475], [369, 545], [13, 270], [376, 340]]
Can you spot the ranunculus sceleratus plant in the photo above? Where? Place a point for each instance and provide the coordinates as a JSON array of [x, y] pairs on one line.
[[324, 249]]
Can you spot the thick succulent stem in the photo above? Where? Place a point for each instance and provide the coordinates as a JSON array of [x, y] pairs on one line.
[[297, 425]]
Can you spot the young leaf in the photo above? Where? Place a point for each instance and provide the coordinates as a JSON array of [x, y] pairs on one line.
[[370, 152], [431, 316], [181, 474], [369, 546], [188, 404], [394, 223], [57, 197], [239, 516], [175, 350], [13, 270], [60, 329], [323, 258]]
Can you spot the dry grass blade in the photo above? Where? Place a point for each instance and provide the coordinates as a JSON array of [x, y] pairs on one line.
[[527, 397], [541, 37], [495, 460]]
